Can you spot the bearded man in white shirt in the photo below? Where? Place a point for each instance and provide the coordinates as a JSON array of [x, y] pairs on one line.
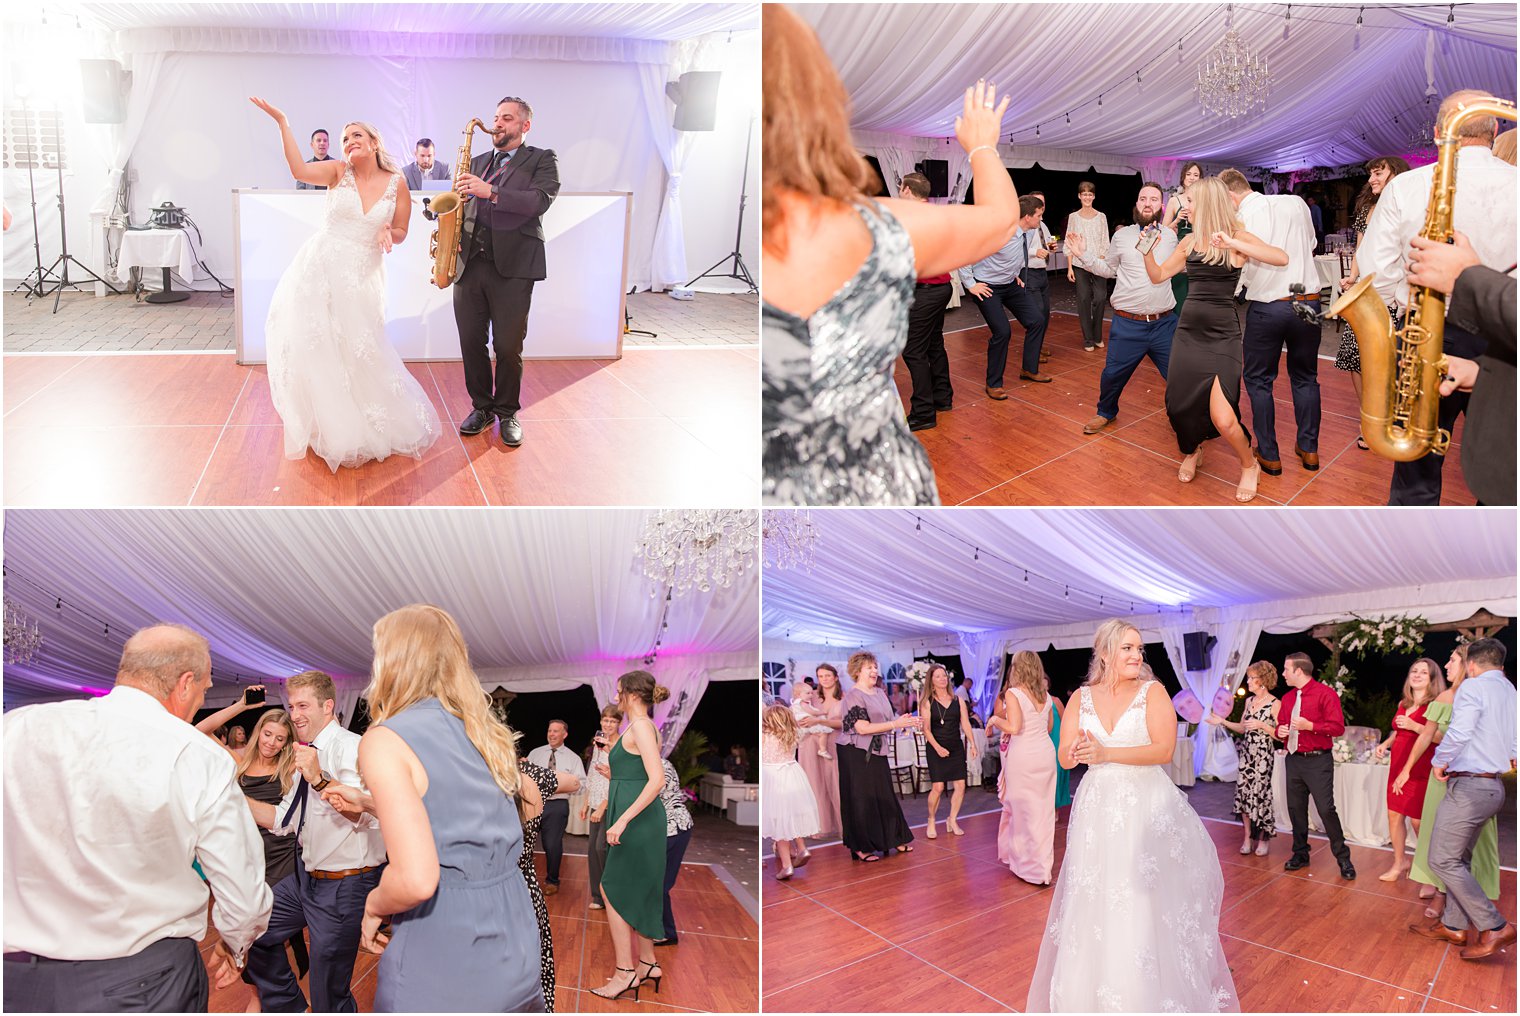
[[1484, 209], [1281, 220], [108, 803], [341, 860]]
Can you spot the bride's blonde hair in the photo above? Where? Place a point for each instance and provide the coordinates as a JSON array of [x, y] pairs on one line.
[[420, 654], [1106, 645], [1212, 213], [383, 158]]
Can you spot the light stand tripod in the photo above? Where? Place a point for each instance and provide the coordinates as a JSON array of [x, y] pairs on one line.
[[52, 144], [740, 270], [25, 153]]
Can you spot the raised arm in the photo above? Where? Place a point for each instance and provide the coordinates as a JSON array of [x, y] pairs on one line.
[[322, 174], [947, 237], [1252, 246], [1160, 272], [210, 724]]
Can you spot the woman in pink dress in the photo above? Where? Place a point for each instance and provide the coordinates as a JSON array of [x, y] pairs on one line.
[[822, 767], [1027, 831]]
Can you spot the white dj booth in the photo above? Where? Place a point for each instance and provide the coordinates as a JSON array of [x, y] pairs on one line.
[[577, 311]]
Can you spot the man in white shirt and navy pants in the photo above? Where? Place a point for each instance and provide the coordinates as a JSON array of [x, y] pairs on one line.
[[1281, 220], [556, 757], [108, 803], [341, 861], [1484, 210]]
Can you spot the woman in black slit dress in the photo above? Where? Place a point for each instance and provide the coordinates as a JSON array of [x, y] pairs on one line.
[[947, 729], [1203, 383]]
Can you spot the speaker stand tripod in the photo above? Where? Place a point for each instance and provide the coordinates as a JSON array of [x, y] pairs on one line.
[[740, 270]]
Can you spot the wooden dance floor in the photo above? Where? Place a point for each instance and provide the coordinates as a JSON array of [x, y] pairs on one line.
[[948, 929], [713, 968], [658, 427], [1030, 449]]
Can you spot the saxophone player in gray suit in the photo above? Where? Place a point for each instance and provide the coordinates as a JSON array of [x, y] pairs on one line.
[[501, 256]]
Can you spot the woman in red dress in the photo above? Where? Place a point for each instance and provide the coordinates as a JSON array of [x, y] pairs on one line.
[[1421, 687]]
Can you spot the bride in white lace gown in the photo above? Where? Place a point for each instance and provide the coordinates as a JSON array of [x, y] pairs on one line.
[[339, 386], [1134, 921]]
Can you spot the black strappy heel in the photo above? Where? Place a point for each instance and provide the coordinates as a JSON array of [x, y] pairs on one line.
[[633, 986], [653, 980]]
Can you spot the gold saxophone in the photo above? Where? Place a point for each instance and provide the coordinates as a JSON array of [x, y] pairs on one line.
[[1402, 368], [446, 208]]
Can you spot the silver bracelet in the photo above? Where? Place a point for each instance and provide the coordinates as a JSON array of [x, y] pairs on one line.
[[980, 148]]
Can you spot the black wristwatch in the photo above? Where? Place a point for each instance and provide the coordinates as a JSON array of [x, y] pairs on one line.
[[322, 784]]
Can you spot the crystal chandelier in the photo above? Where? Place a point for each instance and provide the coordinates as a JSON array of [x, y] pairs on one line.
[[1232, 81], [22, 638], [698, 547], [789, 537]]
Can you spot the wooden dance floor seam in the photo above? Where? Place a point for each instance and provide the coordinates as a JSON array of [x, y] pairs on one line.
[[658, 427], [949, 929], [714, 967], [1030, 450]]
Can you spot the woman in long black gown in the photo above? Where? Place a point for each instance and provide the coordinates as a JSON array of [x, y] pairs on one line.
[[1203, 384]]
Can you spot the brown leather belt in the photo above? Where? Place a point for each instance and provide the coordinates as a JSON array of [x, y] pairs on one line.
[[345, 873], [1142, 317], [1300, 298], [1477, 776]]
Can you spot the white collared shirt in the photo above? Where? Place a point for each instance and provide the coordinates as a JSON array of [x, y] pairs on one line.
[[1134, 292], [565, 761], [330, 842], [108, 802], [1485, 212], [1280, 220]]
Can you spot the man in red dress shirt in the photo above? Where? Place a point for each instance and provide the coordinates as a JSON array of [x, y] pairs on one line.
[[1311, 717]]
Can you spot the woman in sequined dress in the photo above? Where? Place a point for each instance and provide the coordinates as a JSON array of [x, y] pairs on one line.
[[839, 270]]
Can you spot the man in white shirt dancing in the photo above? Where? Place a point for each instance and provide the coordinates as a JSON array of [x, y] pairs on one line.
[[341, 860], [1144, 317], [1484, 209], [551, 831], [108, 803], [1281, 220]]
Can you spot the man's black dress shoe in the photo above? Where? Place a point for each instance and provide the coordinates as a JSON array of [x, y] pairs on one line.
[[1295, 863], [511, 432], [476, 422], [1347, 871]]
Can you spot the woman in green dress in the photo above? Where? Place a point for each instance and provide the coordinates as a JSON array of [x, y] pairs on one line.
[[1485, 852], [1063, 778], [1179, 217], [633, 879]]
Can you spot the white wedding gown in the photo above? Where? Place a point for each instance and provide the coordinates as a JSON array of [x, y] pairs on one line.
[[339, 386], [1134, 921]]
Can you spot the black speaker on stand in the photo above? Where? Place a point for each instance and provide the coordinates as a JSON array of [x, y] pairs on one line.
[[1195, 648], [696, 98]]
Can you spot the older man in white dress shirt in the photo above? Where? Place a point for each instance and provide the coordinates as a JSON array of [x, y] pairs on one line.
[[341, 860], [1484, 209], [108, 803], [551, 831], [1281, 220]]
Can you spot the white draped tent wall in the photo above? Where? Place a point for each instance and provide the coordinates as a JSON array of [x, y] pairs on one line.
[[595, 74], [906, 582], [547, 600], [1340, 94]]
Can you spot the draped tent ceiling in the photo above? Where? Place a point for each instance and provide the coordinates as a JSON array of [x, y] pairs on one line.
[[879, 579], [546, 599], [907, 65]]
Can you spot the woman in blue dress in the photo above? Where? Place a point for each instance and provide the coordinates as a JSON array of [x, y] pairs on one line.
[[444, 782]]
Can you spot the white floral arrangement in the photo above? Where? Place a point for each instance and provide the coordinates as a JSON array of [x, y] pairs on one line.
[[918, 674], [1383, 636], [1341, 750]]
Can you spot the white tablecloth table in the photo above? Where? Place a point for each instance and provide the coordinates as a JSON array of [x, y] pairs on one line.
[[158, 248], [1181, 769], [1329, 268], [717, 789], [1361, 801], [578, 826], [974, 769]]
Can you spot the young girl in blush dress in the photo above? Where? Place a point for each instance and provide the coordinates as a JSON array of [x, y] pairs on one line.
[[788, 809]]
